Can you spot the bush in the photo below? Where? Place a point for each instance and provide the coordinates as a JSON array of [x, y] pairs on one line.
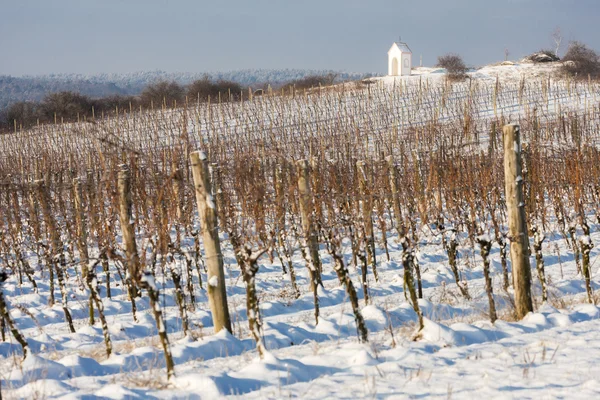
[[25, 113], [65, 105], [550, 53], [312, 81], [454, 64], [204, 87], [581, 61], [542, 56], [201, 89], [162, 93], [111, 103], [225, 87]]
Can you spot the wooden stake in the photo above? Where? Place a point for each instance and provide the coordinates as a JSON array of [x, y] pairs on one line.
[[57, 256], [366, 210], [311, 248], [81, 239], [307, 222], [517, 221], [127, 228], [207, 211]]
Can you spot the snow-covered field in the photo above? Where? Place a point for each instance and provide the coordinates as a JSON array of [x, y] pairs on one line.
[[551, 353], [391, 103]]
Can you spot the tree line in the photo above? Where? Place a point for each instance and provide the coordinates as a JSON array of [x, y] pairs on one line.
[[70, 106]]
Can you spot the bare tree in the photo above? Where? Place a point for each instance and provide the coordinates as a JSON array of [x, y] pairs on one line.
[[557, 38], [454, 64], [581, 61], [162, 93]]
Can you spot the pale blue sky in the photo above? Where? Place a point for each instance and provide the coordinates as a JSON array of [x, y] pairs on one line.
[[95, 36]]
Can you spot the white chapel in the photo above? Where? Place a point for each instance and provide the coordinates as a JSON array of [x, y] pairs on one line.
[[399, 59]]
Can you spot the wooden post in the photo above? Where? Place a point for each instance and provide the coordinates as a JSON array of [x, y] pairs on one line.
[[517, 221], [407, 252], [307, 223], [135, 274], [420, 189], [207, 211], [311, 248], [366, 210], [133, 265], [81, 239], [283, 251], [178, 189], [89, 273], [127, 228], [395, 199], [57, 257]]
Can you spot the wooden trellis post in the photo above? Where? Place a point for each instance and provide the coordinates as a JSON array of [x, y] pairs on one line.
[[207, 211], [57, 257], [126, 220], [308, 227], [144, 280], [517, 220], [311, 245], [366, 210]]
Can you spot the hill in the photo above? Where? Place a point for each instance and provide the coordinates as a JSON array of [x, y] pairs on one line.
[[34, 88], [364, 235]]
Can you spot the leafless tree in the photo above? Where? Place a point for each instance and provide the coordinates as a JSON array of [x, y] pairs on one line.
[[581, 61], [557, 38], [454, 64]]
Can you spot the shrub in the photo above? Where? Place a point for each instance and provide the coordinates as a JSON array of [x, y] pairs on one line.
[[225, 87], [204, 87], [581, 61], [25, 113], [201, 89], [550, 53], [542, 56], [65, 105], [312, 81], [111, 103], [162, 93], [454, 64]]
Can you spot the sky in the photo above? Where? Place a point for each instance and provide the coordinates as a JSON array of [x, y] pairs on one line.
[[120, 36]]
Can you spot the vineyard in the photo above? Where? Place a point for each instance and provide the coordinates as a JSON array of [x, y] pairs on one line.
[[220, 248]]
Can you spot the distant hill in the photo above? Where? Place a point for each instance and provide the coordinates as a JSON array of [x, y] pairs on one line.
[[34, 88]]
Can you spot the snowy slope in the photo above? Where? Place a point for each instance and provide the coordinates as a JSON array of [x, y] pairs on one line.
[[551, 353]]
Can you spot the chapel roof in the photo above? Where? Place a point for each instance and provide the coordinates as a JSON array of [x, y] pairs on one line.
[[403, 47]]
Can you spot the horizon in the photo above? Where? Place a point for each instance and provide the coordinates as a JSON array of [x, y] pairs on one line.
[[194, 73], [126, 37]]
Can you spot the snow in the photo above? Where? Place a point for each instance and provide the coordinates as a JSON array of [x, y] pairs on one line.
[[117, 392], [148, 278], [213, 281], [552, 352], [210, 202], [484, 238], [528, 366], [504, 73]]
